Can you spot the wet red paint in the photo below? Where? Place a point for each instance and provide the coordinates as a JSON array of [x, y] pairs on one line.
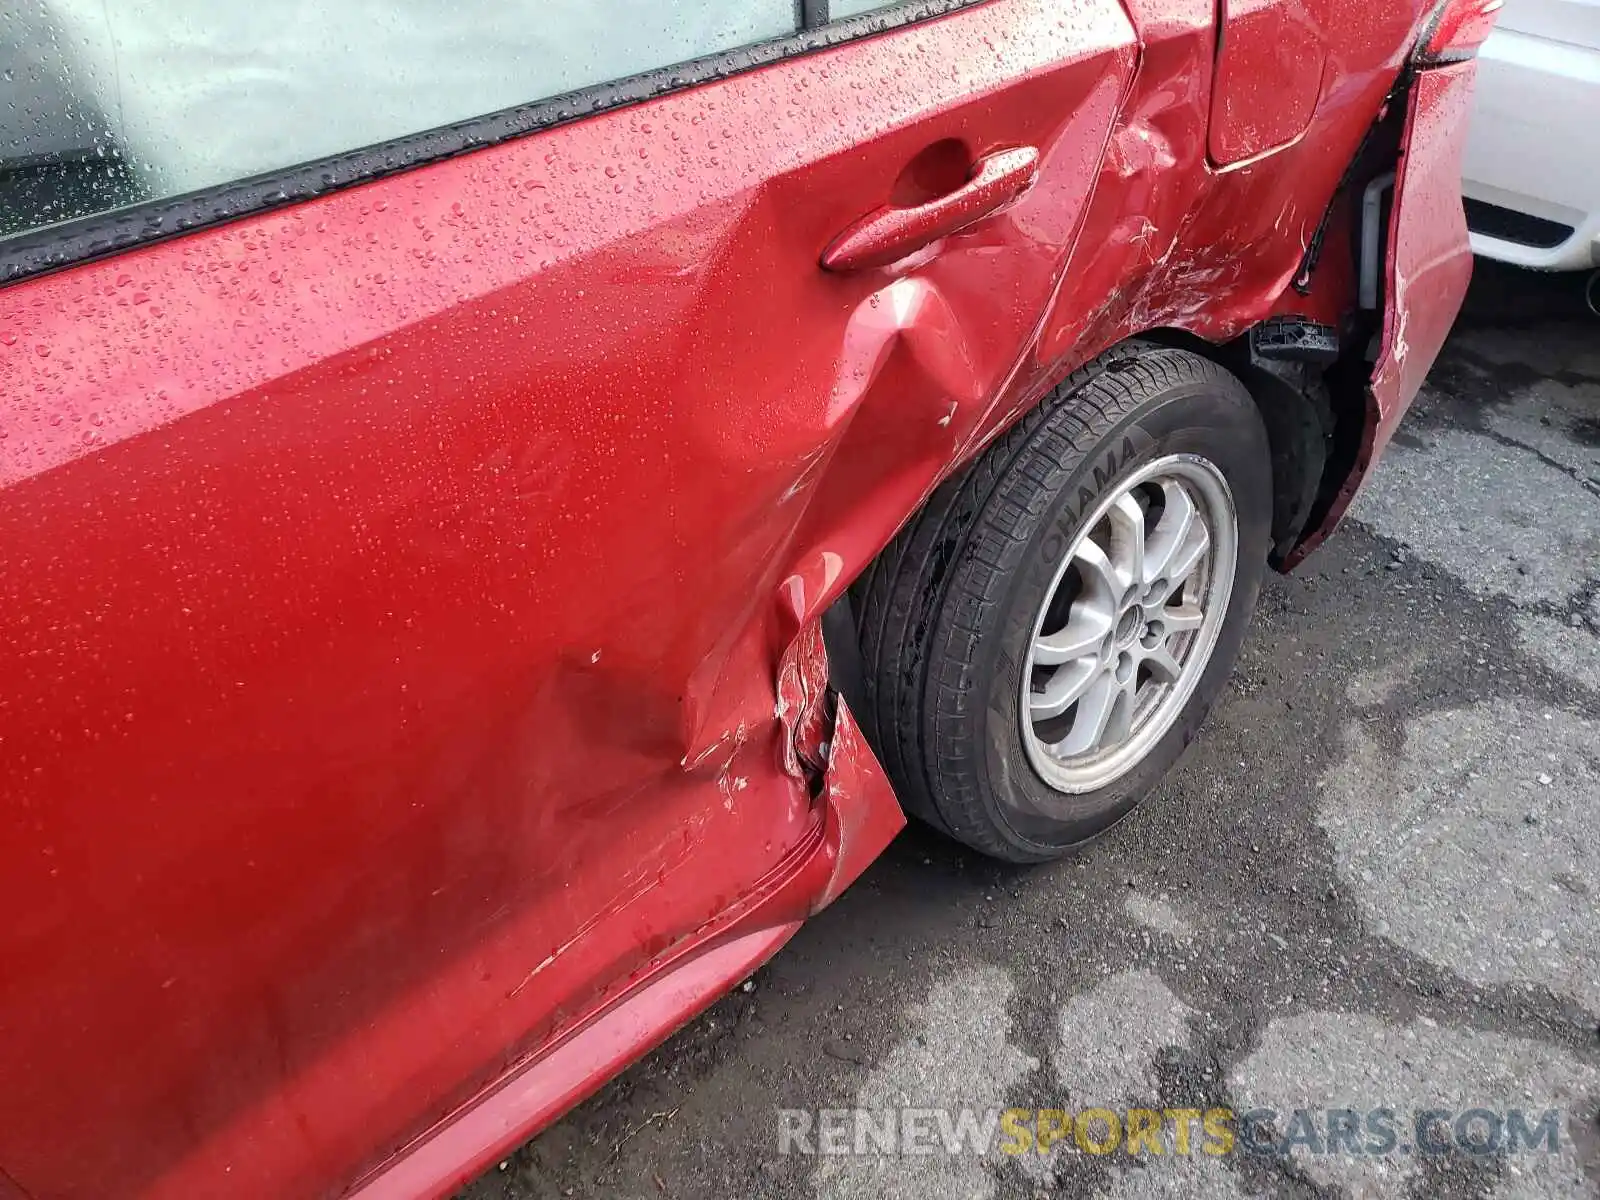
[[415, 705], [895, 231], [1428, 264], [1269, 77]]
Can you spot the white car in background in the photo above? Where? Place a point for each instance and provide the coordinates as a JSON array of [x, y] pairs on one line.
[[1532, 170]]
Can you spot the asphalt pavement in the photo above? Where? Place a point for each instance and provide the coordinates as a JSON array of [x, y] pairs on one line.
[[1373, 882]]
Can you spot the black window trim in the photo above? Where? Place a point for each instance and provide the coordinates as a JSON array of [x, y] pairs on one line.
[[70, 243]]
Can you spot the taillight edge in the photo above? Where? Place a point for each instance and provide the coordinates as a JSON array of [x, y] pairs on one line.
[[1456, 30]]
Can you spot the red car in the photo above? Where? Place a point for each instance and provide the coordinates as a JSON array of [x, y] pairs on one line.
[[477, 570]]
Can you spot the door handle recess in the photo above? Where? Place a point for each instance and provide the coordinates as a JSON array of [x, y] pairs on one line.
[[890, 233]]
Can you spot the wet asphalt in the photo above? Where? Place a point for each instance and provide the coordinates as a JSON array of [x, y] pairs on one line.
[[1374, 881]]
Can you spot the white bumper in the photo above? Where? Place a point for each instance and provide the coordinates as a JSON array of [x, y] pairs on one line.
[[1535, 146]]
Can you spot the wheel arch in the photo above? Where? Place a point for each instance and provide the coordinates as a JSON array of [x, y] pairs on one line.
[[1283, 363]]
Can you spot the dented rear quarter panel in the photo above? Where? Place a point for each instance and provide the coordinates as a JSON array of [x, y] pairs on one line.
[[1429, 259], [1427, 267], [409, 599]]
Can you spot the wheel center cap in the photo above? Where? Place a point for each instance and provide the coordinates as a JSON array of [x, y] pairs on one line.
[[1129, 626]]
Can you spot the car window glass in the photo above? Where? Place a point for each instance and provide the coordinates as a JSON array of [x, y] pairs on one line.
[[839, 9], [109, 102]]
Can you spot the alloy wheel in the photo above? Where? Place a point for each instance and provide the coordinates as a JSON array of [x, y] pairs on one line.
[[1129, 623]]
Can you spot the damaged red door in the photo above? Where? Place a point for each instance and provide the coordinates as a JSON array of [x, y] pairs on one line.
[[440, 563]]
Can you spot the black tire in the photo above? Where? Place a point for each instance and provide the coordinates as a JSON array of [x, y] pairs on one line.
[[947, 610]]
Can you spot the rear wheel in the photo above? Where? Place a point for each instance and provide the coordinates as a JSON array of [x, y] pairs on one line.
[[1046, 636]]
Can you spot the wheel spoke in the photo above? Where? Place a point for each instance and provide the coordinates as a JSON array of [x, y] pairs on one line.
[[1170, 533], [1163, 666], [1085, 629], [1186, 556], [1063, 689], [1101, 579], [1127, 539], [1120, 723], [1181, 618], [1094, 714]]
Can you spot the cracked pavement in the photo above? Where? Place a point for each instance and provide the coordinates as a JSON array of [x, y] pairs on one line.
[[1373, 880]]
